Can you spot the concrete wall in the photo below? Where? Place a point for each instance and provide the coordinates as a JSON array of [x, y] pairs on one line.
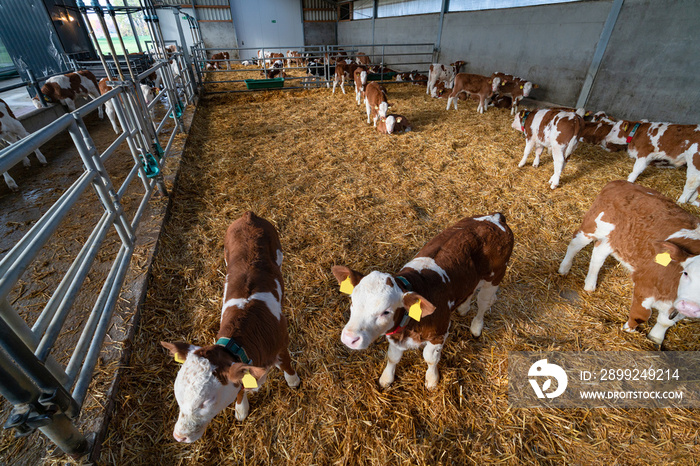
[[648, 70], [320, 33], [651, 65], [267, 23]]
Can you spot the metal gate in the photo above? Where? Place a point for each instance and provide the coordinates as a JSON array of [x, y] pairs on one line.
[[45, 394], [401, 57]]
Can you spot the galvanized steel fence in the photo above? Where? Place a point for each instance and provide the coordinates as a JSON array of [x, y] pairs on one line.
[[45, 394], [402, 57]]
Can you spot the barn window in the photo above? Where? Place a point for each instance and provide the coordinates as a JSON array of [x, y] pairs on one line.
[[362, 9], [471, 5], [407, 7], [345, 11]]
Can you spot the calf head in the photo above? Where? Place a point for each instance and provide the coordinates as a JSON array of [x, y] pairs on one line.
[[519, 121], [495, 83], [376, 304], [688, 297], [208, 381], [527, 88]]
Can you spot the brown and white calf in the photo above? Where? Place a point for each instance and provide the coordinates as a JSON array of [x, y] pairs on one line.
[[393, 124], [11, 131], [252, 336], [360, 79], [294, 58], [676, 145], [473, 85], [67, 88], [147, 92], [413, 308], [344, 70], [555, 130], [656, 240], [362, 59], [516, 89], [598, 132], [439, 73], [376, 102], [218, 60]]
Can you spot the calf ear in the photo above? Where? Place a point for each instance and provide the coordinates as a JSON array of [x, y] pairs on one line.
[[238, 374], [178, 350], [667, 251], [411, 299], [347, 278]]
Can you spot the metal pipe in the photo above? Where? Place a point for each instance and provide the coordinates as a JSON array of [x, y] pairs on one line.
[[83, 11], [18, 259], [20, 327], [62, 299], [133, 27], [599, 52], [85, 377]]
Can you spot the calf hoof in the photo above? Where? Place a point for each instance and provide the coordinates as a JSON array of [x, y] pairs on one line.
[[535, 164], [521, 164], [431, 381], [293, 381], [386, 380], [476, 328], [626, 328]]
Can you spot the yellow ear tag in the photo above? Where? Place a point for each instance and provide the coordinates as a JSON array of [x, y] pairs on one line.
[[178, 358], [346, 286], [398, 120], [249, 381], [624, 128], [414, 311], [376, 107], [664, 259], [521, 87]]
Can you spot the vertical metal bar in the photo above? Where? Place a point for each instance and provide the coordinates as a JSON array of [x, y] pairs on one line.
[[133, 27], [438, 41], [39, 399], [122, 264], [599, 52], [188, 60]]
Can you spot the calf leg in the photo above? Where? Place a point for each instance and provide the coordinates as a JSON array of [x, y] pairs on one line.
[[242, 405], [578, 242], [393, 357], [342, 84], [10, 182], [663, 322], [559, 162], [335, 83], [484, 300], [640, 164], [528, 148], [369, 110], [431, 354], [692, 182], [21, 134], [601, 251], [112, 115], [285, 363], [538, 151], [464, 307]]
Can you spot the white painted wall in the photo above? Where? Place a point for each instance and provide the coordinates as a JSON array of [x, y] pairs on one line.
[[255, 27]]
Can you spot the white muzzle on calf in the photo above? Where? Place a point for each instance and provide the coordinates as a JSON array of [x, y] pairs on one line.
[[688, 298], [375, 301]]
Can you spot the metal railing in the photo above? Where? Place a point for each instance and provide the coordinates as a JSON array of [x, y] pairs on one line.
[[45, 394], [401, 57]]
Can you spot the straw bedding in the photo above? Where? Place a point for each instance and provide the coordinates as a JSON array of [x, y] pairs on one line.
[[339, 193]]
